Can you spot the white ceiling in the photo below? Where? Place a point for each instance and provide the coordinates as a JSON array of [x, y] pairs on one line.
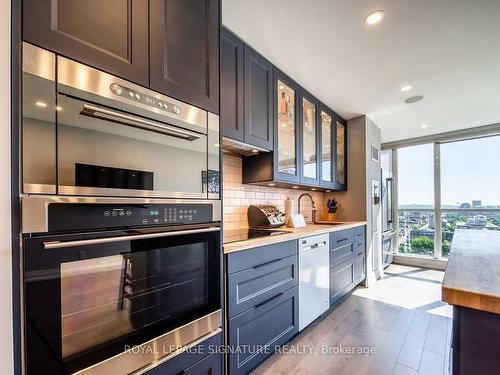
[[449, 50]]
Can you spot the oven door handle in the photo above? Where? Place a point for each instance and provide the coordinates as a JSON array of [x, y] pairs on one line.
[[136, 122], [97, 241]]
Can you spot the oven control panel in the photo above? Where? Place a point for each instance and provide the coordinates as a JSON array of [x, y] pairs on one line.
[[101, 216], [131, 94]]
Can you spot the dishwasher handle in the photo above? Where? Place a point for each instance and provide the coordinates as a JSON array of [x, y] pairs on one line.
[[314, 246]]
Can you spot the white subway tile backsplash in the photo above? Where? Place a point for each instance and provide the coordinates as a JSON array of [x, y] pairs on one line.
[[237, 197]]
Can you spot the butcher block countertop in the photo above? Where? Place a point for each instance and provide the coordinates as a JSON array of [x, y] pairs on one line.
[[294, 234], [472, 277]]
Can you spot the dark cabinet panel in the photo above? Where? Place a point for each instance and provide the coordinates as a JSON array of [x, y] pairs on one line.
[[258, 100], [184, 50], [340, 154], [342, 246], [258, 256], [286, 128], [359, 268], [347, 261], [341, 280], [110, 35], [269, 324], [231, 90], [309, 134], [203, 360], [258, 284], [327, 156]]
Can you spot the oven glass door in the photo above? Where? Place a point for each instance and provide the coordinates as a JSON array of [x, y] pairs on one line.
[[107, 152], [86, 303]]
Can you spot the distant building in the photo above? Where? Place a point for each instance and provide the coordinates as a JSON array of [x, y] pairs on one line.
[[465, 205], [476, 204]]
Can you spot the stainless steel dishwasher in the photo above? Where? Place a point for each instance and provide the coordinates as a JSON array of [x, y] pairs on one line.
[[314, 278]]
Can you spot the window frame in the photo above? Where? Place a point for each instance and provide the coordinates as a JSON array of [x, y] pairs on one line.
[[437, 210]]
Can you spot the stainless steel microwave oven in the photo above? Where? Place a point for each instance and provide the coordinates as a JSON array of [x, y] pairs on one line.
[[88, 133]]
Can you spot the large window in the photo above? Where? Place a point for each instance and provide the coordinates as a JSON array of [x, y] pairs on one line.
[[443, 187], [416, 177], [416, 200]]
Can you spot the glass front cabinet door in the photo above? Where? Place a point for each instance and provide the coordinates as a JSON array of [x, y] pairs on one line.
[[286, 167], [327, 148], [341, 155], [310, 137]]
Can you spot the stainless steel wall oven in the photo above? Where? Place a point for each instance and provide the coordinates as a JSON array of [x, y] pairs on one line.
[[86, 132], [121, 215], [108, 276]]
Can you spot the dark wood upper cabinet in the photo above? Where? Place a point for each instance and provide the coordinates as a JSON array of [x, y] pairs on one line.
[[111, 35], [184, 50], [309, 134], [327, 155], [258, 101], [340, 154], [231, 91]]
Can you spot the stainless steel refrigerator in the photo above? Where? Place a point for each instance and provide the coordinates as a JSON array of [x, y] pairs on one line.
[[387, 217]]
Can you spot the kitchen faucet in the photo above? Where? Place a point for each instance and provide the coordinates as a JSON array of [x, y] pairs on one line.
[[313, 209]]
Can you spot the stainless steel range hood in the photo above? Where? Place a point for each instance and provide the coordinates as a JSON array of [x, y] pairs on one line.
[[236, 147]]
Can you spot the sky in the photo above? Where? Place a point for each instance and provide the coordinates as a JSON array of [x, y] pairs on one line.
[[470, 170]]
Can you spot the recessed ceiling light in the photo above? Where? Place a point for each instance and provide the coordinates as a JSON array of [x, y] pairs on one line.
[[295, 187], [313, 189], [424, 126], [328, 191], [41, 104], [255, 151], [271, 184], [406, 88], [374, 17], [414, 99]]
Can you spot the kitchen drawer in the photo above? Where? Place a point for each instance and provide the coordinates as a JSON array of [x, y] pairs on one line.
[[359, 248], [253, 286], [265, 326], [341, 237], [360, 235], [341, 280], [258, 256], [342, 253], [203, 360]]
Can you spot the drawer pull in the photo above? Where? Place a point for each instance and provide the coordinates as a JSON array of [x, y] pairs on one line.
[[265, 264], [360, 253], [268, 300], [343, 239]]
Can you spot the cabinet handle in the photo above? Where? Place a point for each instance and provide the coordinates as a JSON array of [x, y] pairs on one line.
[[360, 253], [343, 239], [265, 264], [268, 300]]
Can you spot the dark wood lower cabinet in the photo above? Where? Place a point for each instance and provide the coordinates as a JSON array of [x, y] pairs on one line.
[[255, 334], [204, 359], [347, 261], [475, 340]]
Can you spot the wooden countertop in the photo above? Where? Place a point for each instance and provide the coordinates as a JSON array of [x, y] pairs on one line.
[[294, 233], [472, 277]]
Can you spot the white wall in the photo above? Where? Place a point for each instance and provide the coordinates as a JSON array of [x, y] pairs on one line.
[[6, 344]]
